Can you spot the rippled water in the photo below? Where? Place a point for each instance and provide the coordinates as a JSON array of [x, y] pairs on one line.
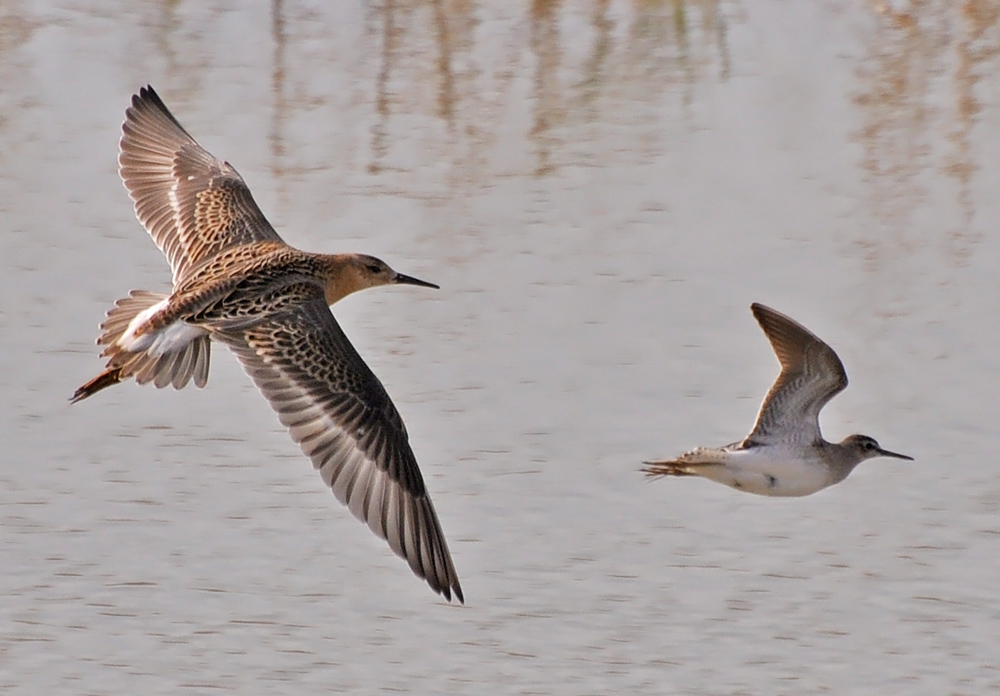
[[601, 188]]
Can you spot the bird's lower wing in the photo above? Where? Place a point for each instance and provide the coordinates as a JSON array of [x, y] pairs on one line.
[[342, 418]]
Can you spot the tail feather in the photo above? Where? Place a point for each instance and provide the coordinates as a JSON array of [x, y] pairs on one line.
[[688, 464], [103, 380], [202, 351], [672, 467], [165, 369], [121, 315], [183, 365], [176, 368]]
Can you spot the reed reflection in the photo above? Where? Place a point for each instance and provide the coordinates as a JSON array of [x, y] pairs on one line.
[[434, 62], [912, 90], [280, 112], [547, 92], [380, 127]]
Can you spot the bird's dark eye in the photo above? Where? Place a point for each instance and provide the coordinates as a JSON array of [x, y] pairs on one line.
[[374, 269], [869, 445]]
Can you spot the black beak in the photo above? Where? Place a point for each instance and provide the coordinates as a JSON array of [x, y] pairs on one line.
[[894, 455], [410, 280]]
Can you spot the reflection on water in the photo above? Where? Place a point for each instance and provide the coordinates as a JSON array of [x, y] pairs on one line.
[[926, 66], [636, 52], [281, 102], [549, 108]]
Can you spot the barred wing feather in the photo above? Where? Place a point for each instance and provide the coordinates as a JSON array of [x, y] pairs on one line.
[[192, 204], [342, 418]]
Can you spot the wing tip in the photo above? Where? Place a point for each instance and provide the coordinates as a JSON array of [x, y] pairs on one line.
[[146, 104], [456, 588], [449, 589], [147, 97], [762, 313]]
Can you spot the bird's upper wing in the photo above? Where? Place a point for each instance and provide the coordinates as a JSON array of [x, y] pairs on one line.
[[340, 415], [811, 375], [192, 204]]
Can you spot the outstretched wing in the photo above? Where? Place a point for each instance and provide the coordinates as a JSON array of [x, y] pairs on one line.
[[340, 415], [192, 204], [811, 375]]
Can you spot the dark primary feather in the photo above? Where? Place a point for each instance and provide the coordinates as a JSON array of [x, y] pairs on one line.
[[342, 418]]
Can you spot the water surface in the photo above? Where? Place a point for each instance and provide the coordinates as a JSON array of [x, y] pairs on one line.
[[601, 189]]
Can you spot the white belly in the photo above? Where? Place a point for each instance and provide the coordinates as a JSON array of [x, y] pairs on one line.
[[769, 471]]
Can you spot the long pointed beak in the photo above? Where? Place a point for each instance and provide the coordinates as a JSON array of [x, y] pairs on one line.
[[410, 280], [895, 455]]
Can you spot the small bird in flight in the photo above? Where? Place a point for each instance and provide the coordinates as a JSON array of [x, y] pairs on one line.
[[785, 454]]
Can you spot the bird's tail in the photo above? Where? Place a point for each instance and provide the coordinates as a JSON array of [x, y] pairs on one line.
[[176, 367], [688, 464], [671, 467]]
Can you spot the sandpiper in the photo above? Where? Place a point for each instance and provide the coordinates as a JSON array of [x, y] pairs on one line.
[[785, 454], [236, 281]]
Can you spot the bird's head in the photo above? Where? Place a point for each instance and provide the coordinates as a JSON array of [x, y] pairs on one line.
[[353, 272], [868, 448]]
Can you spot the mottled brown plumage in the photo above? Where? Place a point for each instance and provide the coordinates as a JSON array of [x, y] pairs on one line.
[[237, 282]]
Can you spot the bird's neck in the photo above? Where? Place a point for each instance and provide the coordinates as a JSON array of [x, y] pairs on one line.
[[339, 277]]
